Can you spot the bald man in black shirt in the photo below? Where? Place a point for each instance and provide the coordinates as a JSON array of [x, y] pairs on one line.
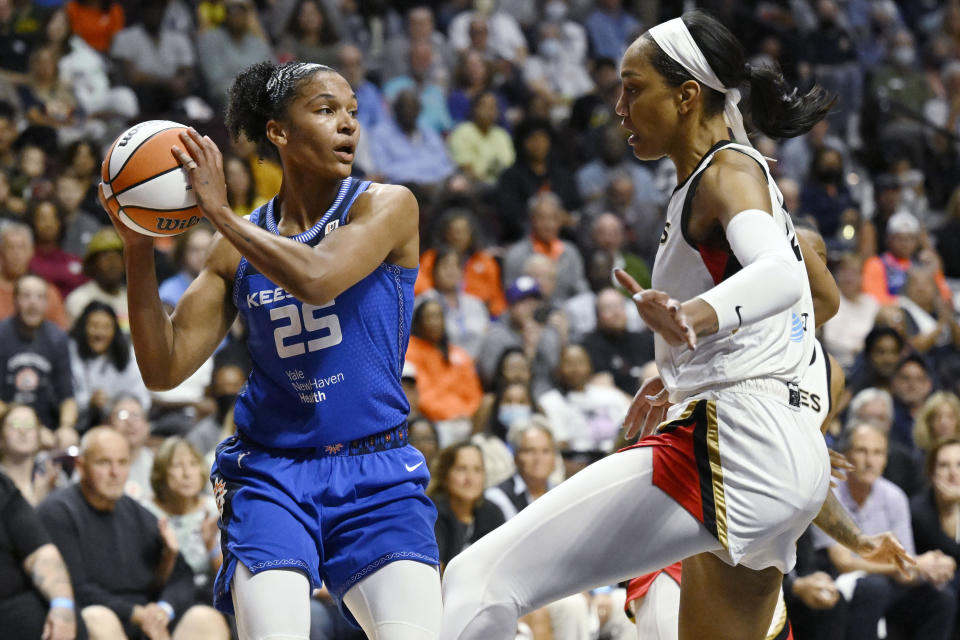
[[127, 572]]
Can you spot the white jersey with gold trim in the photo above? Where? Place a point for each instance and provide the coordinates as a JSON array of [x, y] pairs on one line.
[[778, 347]]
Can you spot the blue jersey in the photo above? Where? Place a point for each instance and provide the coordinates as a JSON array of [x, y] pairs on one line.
[[327, 374]]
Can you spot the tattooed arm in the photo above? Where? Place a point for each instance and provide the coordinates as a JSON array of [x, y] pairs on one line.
[[49, 574], [881, 549]]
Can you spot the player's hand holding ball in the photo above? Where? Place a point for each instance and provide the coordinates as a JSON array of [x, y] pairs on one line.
[[203, 162], [149, 185]]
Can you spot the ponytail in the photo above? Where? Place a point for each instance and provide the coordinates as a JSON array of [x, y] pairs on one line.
[[781, 111], [777, 109]]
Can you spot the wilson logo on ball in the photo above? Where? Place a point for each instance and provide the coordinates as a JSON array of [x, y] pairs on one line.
[[132, 131], [145, 186], [176, 224]]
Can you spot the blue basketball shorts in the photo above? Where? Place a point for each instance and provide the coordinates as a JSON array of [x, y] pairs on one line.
[[336, 515]]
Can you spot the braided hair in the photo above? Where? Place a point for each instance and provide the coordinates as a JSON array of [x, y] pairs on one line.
[[262, 92]]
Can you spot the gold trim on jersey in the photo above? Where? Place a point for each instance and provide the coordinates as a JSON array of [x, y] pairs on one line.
[[679, 420], [780, 623], [716, 472]]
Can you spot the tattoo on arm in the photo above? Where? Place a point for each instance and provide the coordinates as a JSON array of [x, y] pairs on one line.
[[238, 233], [837, 523], [49, 573]]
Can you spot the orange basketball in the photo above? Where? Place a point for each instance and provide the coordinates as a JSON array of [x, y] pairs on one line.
[[144, 184]]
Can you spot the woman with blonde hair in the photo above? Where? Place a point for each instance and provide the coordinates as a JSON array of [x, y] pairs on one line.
[[178, 478], [21, 437], [457, 482], [939, 418]]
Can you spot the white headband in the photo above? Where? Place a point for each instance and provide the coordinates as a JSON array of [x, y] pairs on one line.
[[674, 38]]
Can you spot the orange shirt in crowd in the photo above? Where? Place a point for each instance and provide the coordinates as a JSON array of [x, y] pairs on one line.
[[875, 279], [56, 312], [481, 278], [95, 26], [553, 250], [447, 390]]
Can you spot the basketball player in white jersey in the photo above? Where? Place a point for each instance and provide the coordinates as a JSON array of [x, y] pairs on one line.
[[735, 470], [654, 603]]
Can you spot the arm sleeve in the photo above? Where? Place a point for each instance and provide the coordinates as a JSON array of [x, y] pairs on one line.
[[771, 279], [67, 537]]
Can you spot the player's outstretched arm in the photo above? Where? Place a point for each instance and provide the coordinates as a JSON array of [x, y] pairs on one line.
[[169, 349], [384, 226]]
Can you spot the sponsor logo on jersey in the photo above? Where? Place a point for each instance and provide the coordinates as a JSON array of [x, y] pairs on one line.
[[266, 296], [810, 400], [796, 328]]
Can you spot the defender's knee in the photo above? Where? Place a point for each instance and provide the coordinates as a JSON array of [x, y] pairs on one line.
[[475, 605]]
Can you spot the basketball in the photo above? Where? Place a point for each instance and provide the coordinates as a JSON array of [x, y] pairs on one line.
[[143, 183]]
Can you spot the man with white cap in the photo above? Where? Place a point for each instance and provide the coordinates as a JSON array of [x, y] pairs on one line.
[[884, 276]]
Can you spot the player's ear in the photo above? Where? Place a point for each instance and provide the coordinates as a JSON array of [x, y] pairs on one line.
[[276, 133], [687, 95]]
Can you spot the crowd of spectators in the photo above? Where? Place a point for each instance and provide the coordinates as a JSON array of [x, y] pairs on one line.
[[499, 116]]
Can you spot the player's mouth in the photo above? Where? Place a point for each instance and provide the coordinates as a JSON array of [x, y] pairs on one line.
[[344, 152]]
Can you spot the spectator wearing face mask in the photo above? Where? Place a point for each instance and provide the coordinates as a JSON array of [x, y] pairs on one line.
[[611, 29], [825, 194], [229, 376], [900, 83], [554, 71], [512, 404]]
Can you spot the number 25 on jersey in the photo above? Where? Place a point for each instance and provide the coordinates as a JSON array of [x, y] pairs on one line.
[[312, 323]]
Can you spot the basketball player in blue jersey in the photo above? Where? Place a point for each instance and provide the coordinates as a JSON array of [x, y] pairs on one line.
[[319, 484]]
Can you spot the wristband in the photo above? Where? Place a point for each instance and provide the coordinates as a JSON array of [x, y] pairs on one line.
[[166, 606], [62, 603]]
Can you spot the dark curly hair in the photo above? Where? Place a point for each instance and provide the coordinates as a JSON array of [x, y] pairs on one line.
[[118, 352], [262, 92], [776, 108]]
